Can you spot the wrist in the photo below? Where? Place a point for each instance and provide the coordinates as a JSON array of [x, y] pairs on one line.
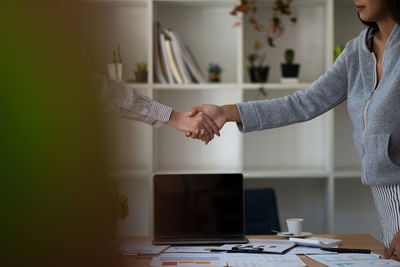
[[173, 119], [231, 113]]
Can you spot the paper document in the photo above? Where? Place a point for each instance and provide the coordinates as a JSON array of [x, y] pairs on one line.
[[263, 260], [354, 260], [130, 247], [268, 245], [190, 259], [308, 250], [190, 249]]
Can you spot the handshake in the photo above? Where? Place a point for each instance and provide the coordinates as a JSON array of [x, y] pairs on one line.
[[204, 121]]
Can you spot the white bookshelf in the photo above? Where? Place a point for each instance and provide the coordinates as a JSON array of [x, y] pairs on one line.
[[316, 156]]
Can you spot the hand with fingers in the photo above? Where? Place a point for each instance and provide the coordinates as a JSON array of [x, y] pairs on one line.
[[199, 124], [218, 115], [393, 248]]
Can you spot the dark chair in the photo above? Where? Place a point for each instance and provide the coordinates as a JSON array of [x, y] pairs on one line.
[[261, 212]]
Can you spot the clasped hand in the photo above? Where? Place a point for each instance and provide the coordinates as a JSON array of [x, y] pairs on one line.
[[202, 122]]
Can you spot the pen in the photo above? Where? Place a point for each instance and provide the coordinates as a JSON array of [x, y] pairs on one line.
[[347, 250]]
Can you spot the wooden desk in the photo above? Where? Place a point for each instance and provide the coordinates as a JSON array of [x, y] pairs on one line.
[[362, 241]]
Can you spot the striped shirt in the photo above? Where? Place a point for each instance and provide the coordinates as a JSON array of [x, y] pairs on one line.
[[128, 103], [387, 202]]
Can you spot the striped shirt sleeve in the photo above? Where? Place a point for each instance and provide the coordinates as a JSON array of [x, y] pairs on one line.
[[128, 103]]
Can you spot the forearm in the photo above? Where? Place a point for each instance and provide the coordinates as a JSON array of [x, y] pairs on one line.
[[324, 94], [119, 99]]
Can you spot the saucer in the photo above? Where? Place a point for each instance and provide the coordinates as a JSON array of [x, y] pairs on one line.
[[287, 234]]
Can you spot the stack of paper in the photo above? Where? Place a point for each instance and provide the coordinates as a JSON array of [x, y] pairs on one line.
[[130, 247], [225, 260], [191, 249], [271, 246], [354, 260], [190, 259], [263, 260]]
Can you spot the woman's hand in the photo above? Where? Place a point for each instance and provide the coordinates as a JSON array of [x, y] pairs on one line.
[[200, 124], [394, 247], [218, 114]]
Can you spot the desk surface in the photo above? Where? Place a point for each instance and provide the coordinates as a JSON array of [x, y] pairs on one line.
[[362, 241]]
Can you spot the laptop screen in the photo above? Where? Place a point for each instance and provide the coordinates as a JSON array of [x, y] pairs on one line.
[[198, 205]]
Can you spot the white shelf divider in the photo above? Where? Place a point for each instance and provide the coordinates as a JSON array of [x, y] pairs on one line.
[[276, 86], [262, 174], [197, 86]]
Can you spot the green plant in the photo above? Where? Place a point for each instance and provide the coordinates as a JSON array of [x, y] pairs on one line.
[[141, 66], [338, 50], [289, 56], [214, 68], [119, 201], [117, 54], [253, 57]]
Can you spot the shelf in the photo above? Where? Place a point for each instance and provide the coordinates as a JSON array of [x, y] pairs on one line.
[[286, 174], [276, 86], [347, 174], [135, 3], [196, 171], [197, 3], [296, 3], [197, 86], [220, 86]]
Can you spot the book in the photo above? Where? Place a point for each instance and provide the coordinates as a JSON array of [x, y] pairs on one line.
[[171, 62], [164, 60], [159, 72], [191, 66], [178, 55]]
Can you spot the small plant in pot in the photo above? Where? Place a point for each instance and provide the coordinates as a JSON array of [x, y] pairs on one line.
[[141, 72], [115, 69], [259, 73], [290, 71], [214, 73]]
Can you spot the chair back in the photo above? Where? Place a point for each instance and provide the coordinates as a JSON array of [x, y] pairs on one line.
[[261, 212]]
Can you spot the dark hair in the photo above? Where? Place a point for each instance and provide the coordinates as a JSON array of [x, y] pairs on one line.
[[394, 11]]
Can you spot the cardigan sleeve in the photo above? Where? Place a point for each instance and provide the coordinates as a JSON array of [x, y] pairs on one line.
[[326, 92]]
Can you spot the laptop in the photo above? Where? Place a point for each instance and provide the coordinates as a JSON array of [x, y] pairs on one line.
[[195, 209]]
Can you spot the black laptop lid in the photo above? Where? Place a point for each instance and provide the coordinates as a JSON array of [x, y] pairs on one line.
[[198, 205]]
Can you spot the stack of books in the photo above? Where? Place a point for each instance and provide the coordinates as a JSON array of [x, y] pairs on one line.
[[173, 61]]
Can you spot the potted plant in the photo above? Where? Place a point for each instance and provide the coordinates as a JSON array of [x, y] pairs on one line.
[[258, 73], [118, 203], [115, 68], [290, 71], [141, 72], [338, 50], [214, 72]]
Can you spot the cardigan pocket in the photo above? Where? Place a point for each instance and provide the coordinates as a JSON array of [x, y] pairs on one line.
[[378, 166]]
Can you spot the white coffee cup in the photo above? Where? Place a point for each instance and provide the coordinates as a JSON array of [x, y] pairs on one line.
[[295, 225]]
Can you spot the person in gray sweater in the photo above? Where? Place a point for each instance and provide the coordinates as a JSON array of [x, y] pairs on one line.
[[367, 75]]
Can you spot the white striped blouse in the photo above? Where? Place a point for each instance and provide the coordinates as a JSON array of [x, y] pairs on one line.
[[387, 202], [128, 103]]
